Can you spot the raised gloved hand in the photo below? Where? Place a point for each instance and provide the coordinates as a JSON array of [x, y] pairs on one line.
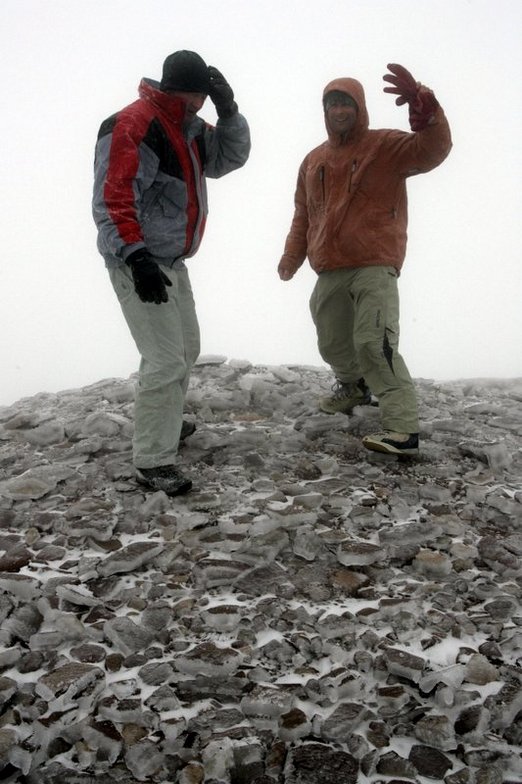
[[221, 94], [420, 99], [149, 279]]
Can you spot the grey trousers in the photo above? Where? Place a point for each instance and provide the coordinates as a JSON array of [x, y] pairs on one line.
[[356, 315], [167, 338]]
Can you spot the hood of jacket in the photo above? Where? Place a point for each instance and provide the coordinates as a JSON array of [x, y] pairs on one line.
[[355, 90]]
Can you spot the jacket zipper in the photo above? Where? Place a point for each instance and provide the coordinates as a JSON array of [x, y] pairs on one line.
[[321, 179], [352, 171]]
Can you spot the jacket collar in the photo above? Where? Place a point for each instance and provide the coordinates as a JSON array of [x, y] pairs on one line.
[[169, 105]]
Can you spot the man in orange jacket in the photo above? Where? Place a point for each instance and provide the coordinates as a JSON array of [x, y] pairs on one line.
[[350, 221]]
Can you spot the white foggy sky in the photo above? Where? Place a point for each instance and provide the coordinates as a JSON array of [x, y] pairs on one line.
[[68, 64]]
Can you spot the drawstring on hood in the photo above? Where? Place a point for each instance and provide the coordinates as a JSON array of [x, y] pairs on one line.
[[355, 90]]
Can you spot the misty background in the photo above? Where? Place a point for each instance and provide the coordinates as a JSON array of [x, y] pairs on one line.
[[68, 64]]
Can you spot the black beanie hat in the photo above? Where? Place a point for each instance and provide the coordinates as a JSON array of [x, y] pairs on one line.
[[185, 71]]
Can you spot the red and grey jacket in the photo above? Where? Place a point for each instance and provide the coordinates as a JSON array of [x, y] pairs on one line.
[[149, 176]]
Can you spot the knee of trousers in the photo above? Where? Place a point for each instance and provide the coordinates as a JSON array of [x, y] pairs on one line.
[[162, 376], [373, 353]]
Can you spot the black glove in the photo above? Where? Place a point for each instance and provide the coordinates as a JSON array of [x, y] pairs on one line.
[[221, 94], [149, 280]]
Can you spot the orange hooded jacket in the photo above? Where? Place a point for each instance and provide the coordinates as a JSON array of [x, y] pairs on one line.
[[350, 202]]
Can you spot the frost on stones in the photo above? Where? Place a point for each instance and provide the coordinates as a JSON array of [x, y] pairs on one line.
[[310, 614]]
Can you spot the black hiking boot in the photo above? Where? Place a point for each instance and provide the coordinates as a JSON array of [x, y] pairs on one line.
[[166, 478]]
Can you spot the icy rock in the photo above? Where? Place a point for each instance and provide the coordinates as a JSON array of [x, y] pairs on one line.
[[8, 688], [392, 764], [46, 434], [352, 553], [27, 486], [202, 687], [130, 558], [21, 586], [209, 659], [77, 595], [306, 544], [312, 763], [479, 670], [513, 543], [223, 617], [496, 455], [404, 664], [451, 676], [348, 582], [163, 699], [144, 760], [103, 424], [88, 653], [409, 533], [433, 564], [266, 701], [126, 635], [104, 738], [498, 557], [264, 547], [505, 705], [218, 759], [69, 681], [471, 720], [8, 739], [392, 699], [309, 500], [436, 731], [429, 762], [212, 572], [98, 529], [127, 711], [266, 579], [156, 673], [193, 773], [341, 723], [23, 622], [501, 608], [294, 725]]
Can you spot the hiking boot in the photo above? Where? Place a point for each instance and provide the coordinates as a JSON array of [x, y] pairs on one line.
[[166, 478], [346, 395], [187, 429], [393, 443]]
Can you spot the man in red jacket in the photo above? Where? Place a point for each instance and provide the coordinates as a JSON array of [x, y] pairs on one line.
[[150, 208], [350, 220]]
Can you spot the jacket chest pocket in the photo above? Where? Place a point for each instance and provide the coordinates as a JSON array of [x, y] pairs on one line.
[[173, 198], [316, 187]]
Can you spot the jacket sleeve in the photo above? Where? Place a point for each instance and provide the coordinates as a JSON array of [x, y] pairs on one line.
[[422, 151], [227, 145], [120, 177], [295, 250]]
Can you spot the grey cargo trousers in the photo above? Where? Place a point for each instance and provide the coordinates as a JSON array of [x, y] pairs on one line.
[[167, 338]]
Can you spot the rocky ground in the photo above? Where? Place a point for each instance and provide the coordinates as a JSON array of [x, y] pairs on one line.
[[310, 613]]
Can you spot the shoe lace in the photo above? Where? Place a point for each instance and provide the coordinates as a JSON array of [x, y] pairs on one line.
[[340, 390]]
